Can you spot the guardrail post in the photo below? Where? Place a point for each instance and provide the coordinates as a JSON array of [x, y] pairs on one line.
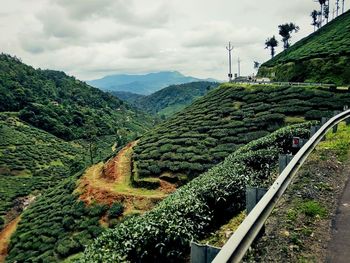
[[203, 253], [253, 196], [324, 120], [283, 161], [313, 130], [335, 128]]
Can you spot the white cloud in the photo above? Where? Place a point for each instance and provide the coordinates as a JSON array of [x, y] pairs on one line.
[[92, 38]]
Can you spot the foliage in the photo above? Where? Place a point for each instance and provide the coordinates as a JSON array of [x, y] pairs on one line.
[[169, 100], [312, 208], [116, 210], [194, 209], [271, 43], [55, 226], [31, 159], [62, 105], [320, 57], [217, 124], [285, 30]]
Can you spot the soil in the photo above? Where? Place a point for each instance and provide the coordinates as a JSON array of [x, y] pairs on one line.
[[110, 182], [5, 236]]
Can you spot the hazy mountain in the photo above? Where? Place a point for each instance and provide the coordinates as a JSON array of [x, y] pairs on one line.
[[142, 84]]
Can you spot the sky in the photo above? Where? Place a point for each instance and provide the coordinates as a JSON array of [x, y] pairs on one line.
[[90, 39]]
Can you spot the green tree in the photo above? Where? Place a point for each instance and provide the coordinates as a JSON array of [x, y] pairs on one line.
[[285, 30], [272, 44], [322, 4], [314, 15]]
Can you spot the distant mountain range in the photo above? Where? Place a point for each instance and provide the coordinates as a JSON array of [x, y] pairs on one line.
[[143, 84]]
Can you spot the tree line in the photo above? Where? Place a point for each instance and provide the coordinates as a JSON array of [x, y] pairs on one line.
[[319, 18]]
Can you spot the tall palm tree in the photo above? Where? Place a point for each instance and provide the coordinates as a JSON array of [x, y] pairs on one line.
[[285, 30], [271, 43], [322, 3], [314, 15]]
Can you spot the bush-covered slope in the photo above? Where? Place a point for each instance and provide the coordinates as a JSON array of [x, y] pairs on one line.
[[164, 233], [56, 226], [31, 159], [323, 56], [62, 105], [171, 99], [217, 124]]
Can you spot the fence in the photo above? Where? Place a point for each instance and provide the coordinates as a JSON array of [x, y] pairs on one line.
[[240, 241]]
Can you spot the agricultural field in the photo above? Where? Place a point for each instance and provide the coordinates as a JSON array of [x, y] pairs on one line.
[[228, 117], [196, 209], [323, 56], [56, 226], [32, 160]]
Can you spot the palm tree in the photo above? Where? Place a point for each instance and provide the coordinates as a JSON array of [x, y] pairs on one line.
[[322, 3], [285, 30], [314, 15], [326, 12], [271, 43]]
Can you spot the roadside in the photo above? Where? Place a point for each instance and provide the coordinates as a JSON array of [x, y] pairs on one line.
[[300, 227]]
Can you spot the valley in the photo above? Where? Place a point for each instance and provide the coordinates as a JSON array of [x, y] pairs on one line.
[[133, 167]]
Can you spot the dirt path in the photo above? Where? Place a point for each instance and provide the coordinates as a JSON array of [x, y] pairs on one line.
[[110, 182], [5, 236], [339, 246]]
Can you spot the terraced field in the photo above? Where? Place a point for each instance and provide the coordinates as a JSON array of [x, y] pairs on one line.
[[228, 117]]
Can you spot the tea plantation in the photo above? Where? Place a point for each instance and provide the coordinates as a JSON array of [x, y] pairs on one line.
[[228, 117], [194, 210], [31, 159], [323, 56], [56, 226]]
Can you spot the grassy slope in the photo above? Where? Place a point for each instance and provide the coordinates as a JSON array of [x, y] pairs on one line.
[[323, 56], [214, 126], [31, 159], [299, 228]]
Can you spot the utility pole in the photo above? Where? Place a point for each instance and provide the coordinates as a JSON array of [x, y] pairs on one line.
[[343, 7], [229, 49], [239, 67]]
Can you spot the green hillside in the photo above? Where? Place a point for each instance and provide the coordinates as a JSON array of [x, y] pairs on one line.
[[323, 56], [31, 159], [226, 118], [169, 100], [196, 209], [63, 105]]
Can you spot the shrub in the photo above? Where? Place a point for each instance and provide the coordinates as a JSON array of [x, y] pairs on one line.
[[116, 210], [164, 233]]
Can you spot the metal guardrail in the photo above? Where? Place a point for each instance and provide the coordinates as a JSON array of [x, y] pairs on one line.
[[241, 240], [285, 83]]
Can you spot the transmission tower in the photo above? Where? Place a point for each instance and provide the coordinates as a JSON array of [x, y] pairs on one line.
[[229, 49]]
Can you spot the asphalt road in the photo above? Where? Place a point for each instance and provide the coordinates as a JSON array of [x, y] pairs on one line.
[[339, 246]]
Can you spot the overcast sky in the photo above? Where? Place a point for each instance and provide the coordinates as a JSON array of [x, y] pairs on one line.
[[93, 38]]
